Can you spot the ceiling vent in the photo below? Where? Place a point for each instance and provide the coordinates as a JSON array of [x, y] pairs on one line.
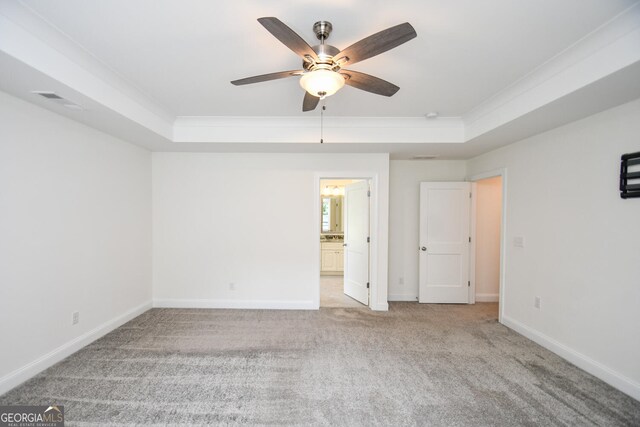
[[424, 157], [52, 96], [49, 95]]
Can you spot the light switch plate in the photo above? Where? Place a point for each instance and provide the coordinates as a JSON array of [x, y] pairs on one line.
[[518, 242]]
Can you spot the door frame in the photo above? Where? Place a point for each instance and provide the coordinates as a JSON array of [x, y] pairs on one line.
[[502, 172], [372, 177]]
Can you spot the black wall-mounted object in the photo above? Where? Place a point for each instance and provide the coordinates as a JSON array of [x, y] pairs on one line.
[[630, 175]]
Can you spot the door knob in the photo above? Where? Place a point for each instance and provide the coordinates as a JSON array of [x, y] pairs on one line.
[[344, 244], [424, 248]]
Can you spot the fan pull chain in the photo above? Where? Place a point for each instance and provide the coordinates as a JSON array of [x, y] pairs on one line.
[[322, 122]]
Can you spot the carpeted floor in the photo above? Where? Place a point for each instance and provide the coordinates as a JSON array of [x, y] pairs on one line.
[[414, 365]]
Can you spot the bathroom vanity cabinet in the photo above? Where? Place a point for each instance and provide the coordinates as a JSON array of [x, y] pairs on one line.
[[332, 258]]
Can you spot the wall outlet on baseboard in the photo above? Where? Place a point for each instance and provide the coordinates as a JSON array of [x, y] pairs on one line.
[[75, 318], [536, 302], [401, 281], [232, 286]]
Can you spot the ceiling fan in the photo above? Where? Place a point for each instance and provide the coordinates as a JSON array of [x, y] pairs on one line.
[[322, 72]]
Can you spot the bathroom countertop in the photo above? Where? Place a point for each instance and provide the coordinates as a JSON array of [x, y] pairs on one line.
[[331, 238]]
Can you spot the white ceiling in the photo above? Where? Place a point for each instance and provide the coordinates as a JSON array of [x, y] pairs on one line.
[[182, 54], [157, 72]]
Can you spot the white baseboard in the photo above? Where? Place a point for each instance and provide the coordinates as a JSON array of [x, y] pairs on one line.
[[487, 297], [239, 304], [597, 369], [33, 368], [402, 297]]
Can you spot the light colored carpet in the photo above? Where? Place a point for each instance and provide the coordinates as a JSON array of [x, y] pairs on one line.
[[332, 293], [414, 365]]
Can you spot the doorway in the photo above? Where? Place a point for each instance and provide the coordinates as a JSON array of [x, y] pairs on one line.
[[488, 228], [344, 242], [461, 255], [488, 221]]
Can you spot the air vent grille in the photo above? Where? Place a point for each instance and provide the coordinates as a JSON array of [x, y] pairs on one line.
[[49, 95], [52, 96]]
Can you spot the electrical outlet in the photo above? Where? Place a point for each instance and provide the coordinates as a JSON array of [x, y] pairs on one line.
[[537, 302], [401, 281], [518, 242], [232, 286], [75, 318]]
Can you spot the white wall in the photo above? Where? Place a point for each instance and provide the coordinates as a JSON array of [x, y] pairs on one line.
[[404, 195], [75, 235], [487, 260], [581, 250], [250, 220]]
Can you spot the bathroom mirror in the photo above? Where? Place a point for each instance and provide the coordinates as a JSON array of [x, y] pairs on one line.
[[331, 214]]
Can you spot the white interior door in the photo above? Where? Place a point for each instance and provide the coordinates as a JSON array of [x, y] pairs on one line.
[[356, 236], [444, 242]]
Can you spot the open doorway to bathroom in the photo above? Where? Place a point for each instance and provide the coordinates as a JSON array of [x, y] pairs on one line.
[[344, 243]]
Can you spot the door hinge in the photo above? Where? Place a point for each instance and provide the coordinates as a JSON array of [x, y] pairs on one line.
[[469, 195], [367, 285], [368, 193], [469, 283], [469, 239], [368, 239]]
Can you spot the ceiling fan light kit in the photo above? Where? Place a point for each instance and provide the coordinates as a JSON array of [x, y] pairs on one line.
[[322, 73], [322, 82]]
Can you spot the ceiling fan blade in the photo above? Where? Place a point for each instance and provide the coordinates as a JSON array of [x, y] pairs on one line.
[[288, 37], [266, 77], [369, 83], [310, 102], [377, 43]]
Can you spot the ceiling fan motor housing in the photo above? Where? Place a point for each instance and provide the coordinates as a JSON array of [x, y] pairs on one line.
[[322, 29]]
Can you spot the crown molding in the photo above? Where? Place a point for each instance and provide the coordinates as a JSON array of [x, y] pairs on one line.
[[307, 129]]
